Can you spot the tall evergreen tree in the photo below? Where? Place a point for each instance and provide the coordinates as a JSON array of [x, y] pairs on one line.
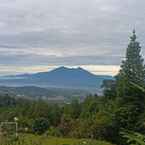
[[129, 81], [132, 69]]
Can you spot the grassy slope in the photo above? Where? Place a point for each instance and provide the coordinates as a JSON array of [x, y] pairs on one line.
[[61, 141]]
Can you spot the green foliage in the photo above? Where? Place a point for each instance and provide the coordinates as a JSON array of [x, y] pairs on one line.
[[90, 107], [109, 88], [128, 117], [132, 69], [65, 125], [54, 131], [72, 110], [133, 138], [128, 89], [40, 126], [142, 89]]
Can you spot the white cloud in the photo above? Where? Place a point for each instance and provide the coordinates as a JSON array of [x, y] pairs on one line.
[[95, 69], [71, 32]]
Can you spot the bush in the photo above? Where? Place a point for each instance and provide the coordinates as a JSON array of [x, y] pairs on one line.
[[53, 131], [40, 126]]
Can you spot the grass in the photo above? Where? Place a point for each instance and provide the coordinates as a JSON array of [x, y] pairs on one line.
[[43, 140]]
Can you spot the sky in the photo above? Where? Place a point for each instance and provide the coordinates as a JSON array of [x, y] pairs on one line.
[[39, 35]]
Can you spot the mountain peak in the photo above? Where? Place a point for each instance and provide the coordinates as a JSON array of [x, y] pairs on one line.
[[61, 77], [68, 68], [71, 71]]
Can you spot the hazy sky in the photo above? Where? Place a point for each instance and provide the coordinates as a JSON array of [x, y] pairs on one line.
[[37, 34]]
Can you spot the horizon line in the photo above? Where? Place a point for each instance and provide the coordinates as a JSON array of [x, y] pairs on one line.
[[110, 70]]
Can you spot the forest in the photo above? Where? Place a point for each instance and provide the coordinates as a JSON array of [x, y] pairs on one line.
[[117, 117]]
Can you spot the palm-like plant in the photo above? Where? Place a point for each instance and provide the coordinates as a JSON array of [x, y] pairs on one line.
[[142, 89], [133, 138]]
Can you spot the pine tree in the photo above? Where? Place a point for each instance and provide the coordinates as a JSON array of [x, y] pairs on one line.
[[132, 69]]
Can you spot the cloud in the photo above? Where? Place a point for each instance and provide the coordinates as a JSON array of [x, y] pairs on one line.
[[68, 32], [98, 70]]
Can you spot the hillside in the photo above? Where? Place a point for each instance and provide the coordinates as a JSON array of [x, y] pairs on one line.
[[50, 94], [61, 77]]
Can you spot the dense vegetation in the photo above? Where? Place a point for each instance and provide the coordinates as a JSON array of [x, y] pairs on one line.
[[51, 94], [116, 117]]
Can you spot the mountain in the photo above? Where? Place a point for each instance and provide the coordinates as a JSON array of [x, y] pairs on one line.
[[61, 77]]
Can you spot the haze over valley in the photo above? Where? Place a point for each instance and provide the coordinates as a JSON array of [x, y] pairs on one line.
[[59, 83]]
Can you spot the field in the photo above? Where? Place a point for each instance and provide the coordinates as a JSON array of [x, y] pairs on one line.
[[43, 140]]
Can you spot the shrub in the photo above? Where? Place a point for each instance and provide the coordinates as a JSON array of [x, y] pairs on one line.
[[40, 126]]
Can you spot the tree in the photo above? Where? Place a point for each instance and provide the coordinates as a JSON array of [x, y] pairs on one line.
[[109, 88], [73, 109], [131, 98], [132, 69], [40, 125]]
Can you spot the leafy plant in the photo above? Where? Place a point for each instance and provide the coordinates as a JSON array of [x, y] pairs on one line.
[[134, 138], [139, 87]]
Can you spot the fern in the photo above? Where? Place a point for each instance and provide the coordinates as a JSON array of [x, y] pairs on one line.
[[139, 87], [133, 138]]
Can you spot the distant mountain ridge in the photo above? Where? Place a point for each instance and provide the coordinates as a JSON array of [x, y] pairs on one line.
[[61, 77], [50, 94]]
